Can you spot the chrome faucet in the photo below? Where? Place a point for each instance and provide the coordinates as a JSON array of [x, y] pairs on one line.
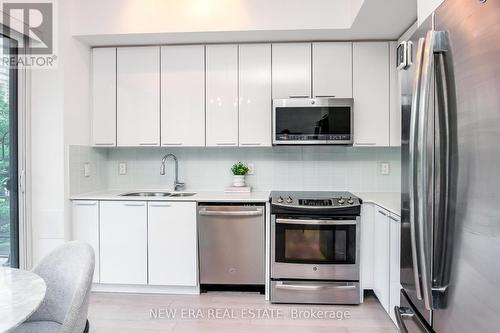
[[177, 185]]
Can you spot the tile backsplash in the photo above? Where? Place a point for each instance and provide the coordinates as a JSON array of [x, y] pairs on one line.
[[276, 168]]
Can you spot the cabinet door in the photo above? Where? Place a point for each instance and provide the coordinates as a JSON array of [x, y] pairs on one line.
[[85, 217], [371, 93], [172, 243], [395, 255], [366, 246], [381, 257], [332, 70], [183, 95], [394, 94], [123, 241], [291, 70], [255, 95], [138, 96], [222, 95], [104, 97]]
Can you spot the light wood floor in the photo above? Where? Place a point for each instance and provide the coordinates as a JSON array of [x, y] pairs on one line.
[[132, 313]]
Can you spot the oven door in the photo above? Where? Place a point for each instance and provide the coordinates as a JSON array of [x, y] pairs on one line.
[[314, 248], [312, 121]]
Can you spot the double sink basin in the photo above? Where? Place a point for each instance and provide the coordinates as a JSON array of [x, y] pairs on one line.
[[158, 194]]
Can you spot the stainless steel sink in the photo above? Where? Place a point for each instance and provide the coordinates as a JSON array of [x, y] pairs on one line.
[[146, 194], [183, 194]]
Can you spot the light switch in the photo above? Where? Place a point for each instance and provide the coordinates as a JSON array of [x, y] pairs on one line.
[[122, 168], [385, 168], [86, 169]]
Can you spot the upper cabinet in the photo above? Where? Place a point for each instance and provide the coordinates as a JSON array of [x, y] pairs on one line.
[[371, 93], [104, 97], [332, 70], [291, 70], [255, 95], [183, 95], [138, 96], [222, 95]]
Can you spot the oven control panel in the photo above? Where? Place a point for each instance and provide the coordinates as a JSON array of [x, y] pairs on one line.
[[314, 200]]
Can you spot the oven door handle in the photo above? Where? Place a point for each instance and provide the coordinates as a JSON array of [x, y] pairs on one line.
[[316, 222], [309, 287]]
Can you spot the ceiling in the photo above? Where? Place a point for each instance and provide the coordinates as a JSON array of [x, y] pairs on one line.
[[127, 22]]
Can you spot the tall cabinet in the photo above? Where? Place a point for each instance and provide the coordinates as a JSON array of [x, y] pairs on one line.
[[254, 95], [183, 95], [138, 96], [222, 95]]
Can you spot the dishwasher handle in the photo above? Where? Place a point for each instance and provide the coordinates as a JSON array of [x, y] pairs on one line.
[[206, 212]]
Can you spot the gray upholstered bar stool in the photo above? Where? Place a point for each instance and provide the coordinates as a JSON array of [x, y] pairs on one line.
[[68, 272]]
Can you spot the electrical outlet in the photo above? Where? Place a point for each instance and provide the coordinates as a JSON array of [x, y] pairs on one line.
[[122, 168], [251, 168], [385, 168], [86, 169]]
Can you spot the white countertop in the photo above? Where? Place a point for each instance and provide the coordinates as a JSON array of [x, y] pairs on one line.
[[388, 200], [200, 196]]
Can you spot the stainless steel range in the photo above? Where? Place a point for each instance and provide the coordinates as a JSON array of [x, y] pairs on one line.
[[315, 247]]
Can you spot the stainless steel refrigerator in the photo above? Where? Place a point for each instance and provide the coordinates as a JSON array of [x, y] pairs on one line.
[[450, 231]]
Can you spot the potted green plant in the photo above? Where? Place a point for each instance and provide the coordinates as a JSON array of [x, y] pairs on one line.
[[239, 171]]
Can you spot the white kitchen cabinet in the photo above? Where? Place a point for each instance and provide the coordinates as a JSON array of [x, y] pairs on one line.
[[123, 242], [395, 263], [394, 102], [183, 95], [291, 71], [104, 97], [255, 95], [366, 245], [371, 93], [172, 244], [85, 218], [138, 96], [381, 257], [222, 95], [332, 69]]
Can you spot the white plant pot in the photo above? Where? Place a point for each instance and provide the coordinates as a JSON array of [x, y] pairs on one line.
[[238, 180]]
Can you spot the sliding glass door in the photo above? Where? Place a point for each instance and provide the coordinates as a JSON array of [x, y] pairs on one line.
[[9, 203]]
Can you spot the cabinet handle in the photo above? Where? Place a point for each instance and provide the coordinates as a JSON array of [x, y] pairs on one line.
[[365, 144], [299, 96], [393, 218], [324, 96], [173, 144], [382, 212], [86, 203], [134, 204], [148, 144], [251, 144], [104, 144], [226, 144], [160, 205]]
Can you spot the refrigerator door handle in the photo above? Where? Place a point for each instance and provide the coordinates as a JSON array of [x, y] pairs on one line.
[[424, 175], [413, 166]]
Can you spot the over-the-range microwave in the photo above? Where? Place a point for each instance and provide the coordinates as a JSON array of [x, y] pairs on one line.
[[313, 121]]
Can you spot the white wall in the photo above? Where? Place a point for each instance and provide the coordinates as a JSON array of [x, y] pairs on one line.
[[426, 7], [277, 168]]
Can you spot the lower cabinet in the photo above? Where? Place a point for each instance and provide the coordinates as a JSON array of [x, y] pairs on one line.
[[123, 242], [86, 228], [380, 255], [172, 245]]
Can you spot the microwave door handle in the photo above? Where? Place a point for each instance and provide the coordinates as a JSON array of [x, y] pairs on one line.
[[412, 166]]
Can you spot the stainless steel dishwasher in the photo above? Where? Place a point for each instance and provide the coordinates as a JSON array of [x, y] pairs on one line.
[[231, 244]]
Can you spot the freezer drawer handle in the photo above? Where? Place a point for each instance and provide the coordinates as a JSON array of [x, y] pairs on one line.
[[403, 314], [205, 212]]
